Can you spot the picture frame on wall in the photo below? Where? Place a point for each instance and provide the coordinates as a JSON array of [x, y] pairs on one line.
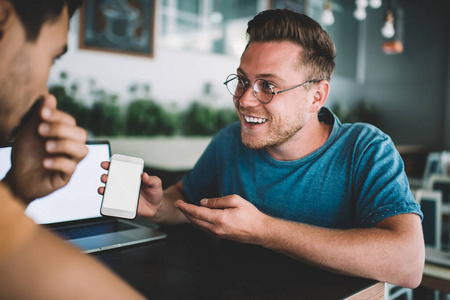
[[118, 26]]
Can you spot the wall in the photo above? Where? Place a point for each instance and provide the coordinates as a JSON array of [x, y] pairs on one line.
[[410, 88], [446, 109]]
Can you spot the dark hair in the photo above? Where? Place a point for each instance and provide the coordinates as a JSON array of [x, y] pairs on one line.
[[285, 25], [34, 13]]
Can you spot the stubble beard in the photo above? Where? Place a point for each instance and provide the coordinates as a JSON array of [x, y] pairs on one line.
[[277, 135], [12, 95]]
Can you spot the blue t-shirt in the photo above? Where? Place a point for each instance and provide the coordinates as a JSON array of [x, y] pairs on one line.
[[354, 180]]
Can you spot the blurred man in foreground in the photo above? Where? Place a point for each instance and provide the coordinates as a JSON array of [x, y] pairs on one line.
[[34, 264]]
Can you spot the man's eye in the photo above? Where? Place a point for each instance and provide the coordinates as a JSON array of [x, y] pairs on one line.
[[244, 81], [267, 85]]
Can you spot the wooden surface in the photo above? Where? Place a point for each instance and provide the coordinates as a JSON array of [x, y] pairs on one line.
[[374, 292]]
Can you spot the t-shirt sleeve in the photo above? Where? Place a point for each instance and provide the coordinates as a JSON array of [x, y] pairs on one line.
[[381, 186], [15, 227], [202, 181]]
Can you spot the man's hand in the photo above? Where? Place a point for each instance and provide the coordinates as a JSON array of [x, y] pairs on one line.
[[45, 152], [150, 197], [230, 217]]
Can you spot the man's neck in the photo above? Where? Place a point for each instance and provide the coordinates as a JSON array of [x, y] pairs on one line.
[[310, 138]]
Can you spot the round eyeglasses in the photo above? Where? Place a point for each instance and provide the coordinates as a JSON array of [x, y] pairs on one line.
[[262, 89]]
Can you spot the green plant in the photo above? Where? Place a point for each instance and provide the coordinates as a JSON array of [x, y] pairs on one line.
[[105, 117], [146, 117], [198, 119], [201, 119], [143, 116], [70, 105], [225, 116]]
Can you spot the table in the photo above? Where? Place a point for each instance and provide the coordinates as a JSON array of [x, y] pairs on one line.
[[436, 277], [191, 264]]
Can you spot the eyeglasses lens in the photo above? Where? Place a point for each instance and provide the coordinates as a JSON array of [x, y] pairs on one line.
[[235, 85], [262, 90]]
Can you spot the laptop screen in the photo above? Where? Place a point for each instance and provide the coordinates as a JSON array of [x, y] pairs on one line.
[[78, 199]]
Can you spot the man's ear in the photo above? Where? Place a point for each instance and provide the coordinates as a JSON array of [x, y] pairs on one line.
[[6, 12], [321, 91]]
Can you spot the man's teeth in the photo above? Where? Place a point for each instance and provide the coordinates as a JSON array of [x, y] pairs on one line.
[[255, 120]]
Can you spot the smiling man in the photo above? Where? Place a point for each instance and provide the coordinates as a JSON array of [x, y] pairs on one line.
[[35, 264], [289, 176]]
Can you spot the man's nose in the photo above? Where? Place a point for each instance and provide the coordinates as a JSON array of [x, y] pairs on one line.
[[249, 99]]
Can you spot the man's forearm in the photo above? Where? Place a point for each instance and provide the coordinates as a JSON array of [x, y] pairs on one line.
[[392, 252]]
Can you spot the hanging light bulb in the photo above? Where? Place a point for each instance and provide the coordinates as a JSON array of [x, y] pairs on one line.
[[375, 4], [388, 30], [363, 3], [393, 31], [360, 12], [327, 17], [216, 18]]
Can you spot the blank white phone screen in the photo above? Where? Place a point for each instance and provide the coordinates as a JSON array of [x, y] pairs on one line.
[[122, 186]]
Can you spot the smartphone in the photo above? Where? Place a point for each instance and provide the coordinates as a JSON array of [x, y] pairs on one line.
[[121, 195]]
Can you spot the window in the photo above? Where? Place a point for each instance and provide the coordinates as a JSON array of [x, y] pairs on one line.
[[215, 26]]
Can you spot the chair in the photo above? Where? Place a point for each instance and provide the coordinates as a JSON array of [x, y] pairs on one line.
[[431, 205], [433, 167], [442, 183], [392, 292]]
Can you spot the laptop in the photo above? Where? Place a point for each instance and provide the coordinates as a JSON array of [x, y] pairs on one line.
[[73, 212]]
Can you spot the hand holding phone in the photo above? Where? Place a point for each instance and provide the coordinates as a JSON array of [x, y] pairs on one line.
[[121, 195]]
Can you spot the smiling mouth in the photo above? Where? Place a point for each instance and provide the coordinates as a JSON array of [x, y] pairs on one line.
[[254, 120]]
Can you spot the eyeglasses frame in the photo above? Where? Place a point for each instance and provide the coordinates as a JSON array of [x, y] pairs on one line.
[[254, 93]]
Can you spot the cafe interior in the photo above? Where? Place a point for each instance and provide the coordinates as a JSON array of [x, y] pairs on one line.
[[392, 71]]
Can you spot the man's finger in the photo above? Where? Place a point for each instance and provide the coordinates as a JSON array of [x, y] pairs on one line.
[[50, 113], [61, 164], [205, 225], [57, 116], [104, 178], [221, 203], [70, 148], [105, 165], [101, 190], [153, 182], [61, 130], [197, 212], [49, 101]]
